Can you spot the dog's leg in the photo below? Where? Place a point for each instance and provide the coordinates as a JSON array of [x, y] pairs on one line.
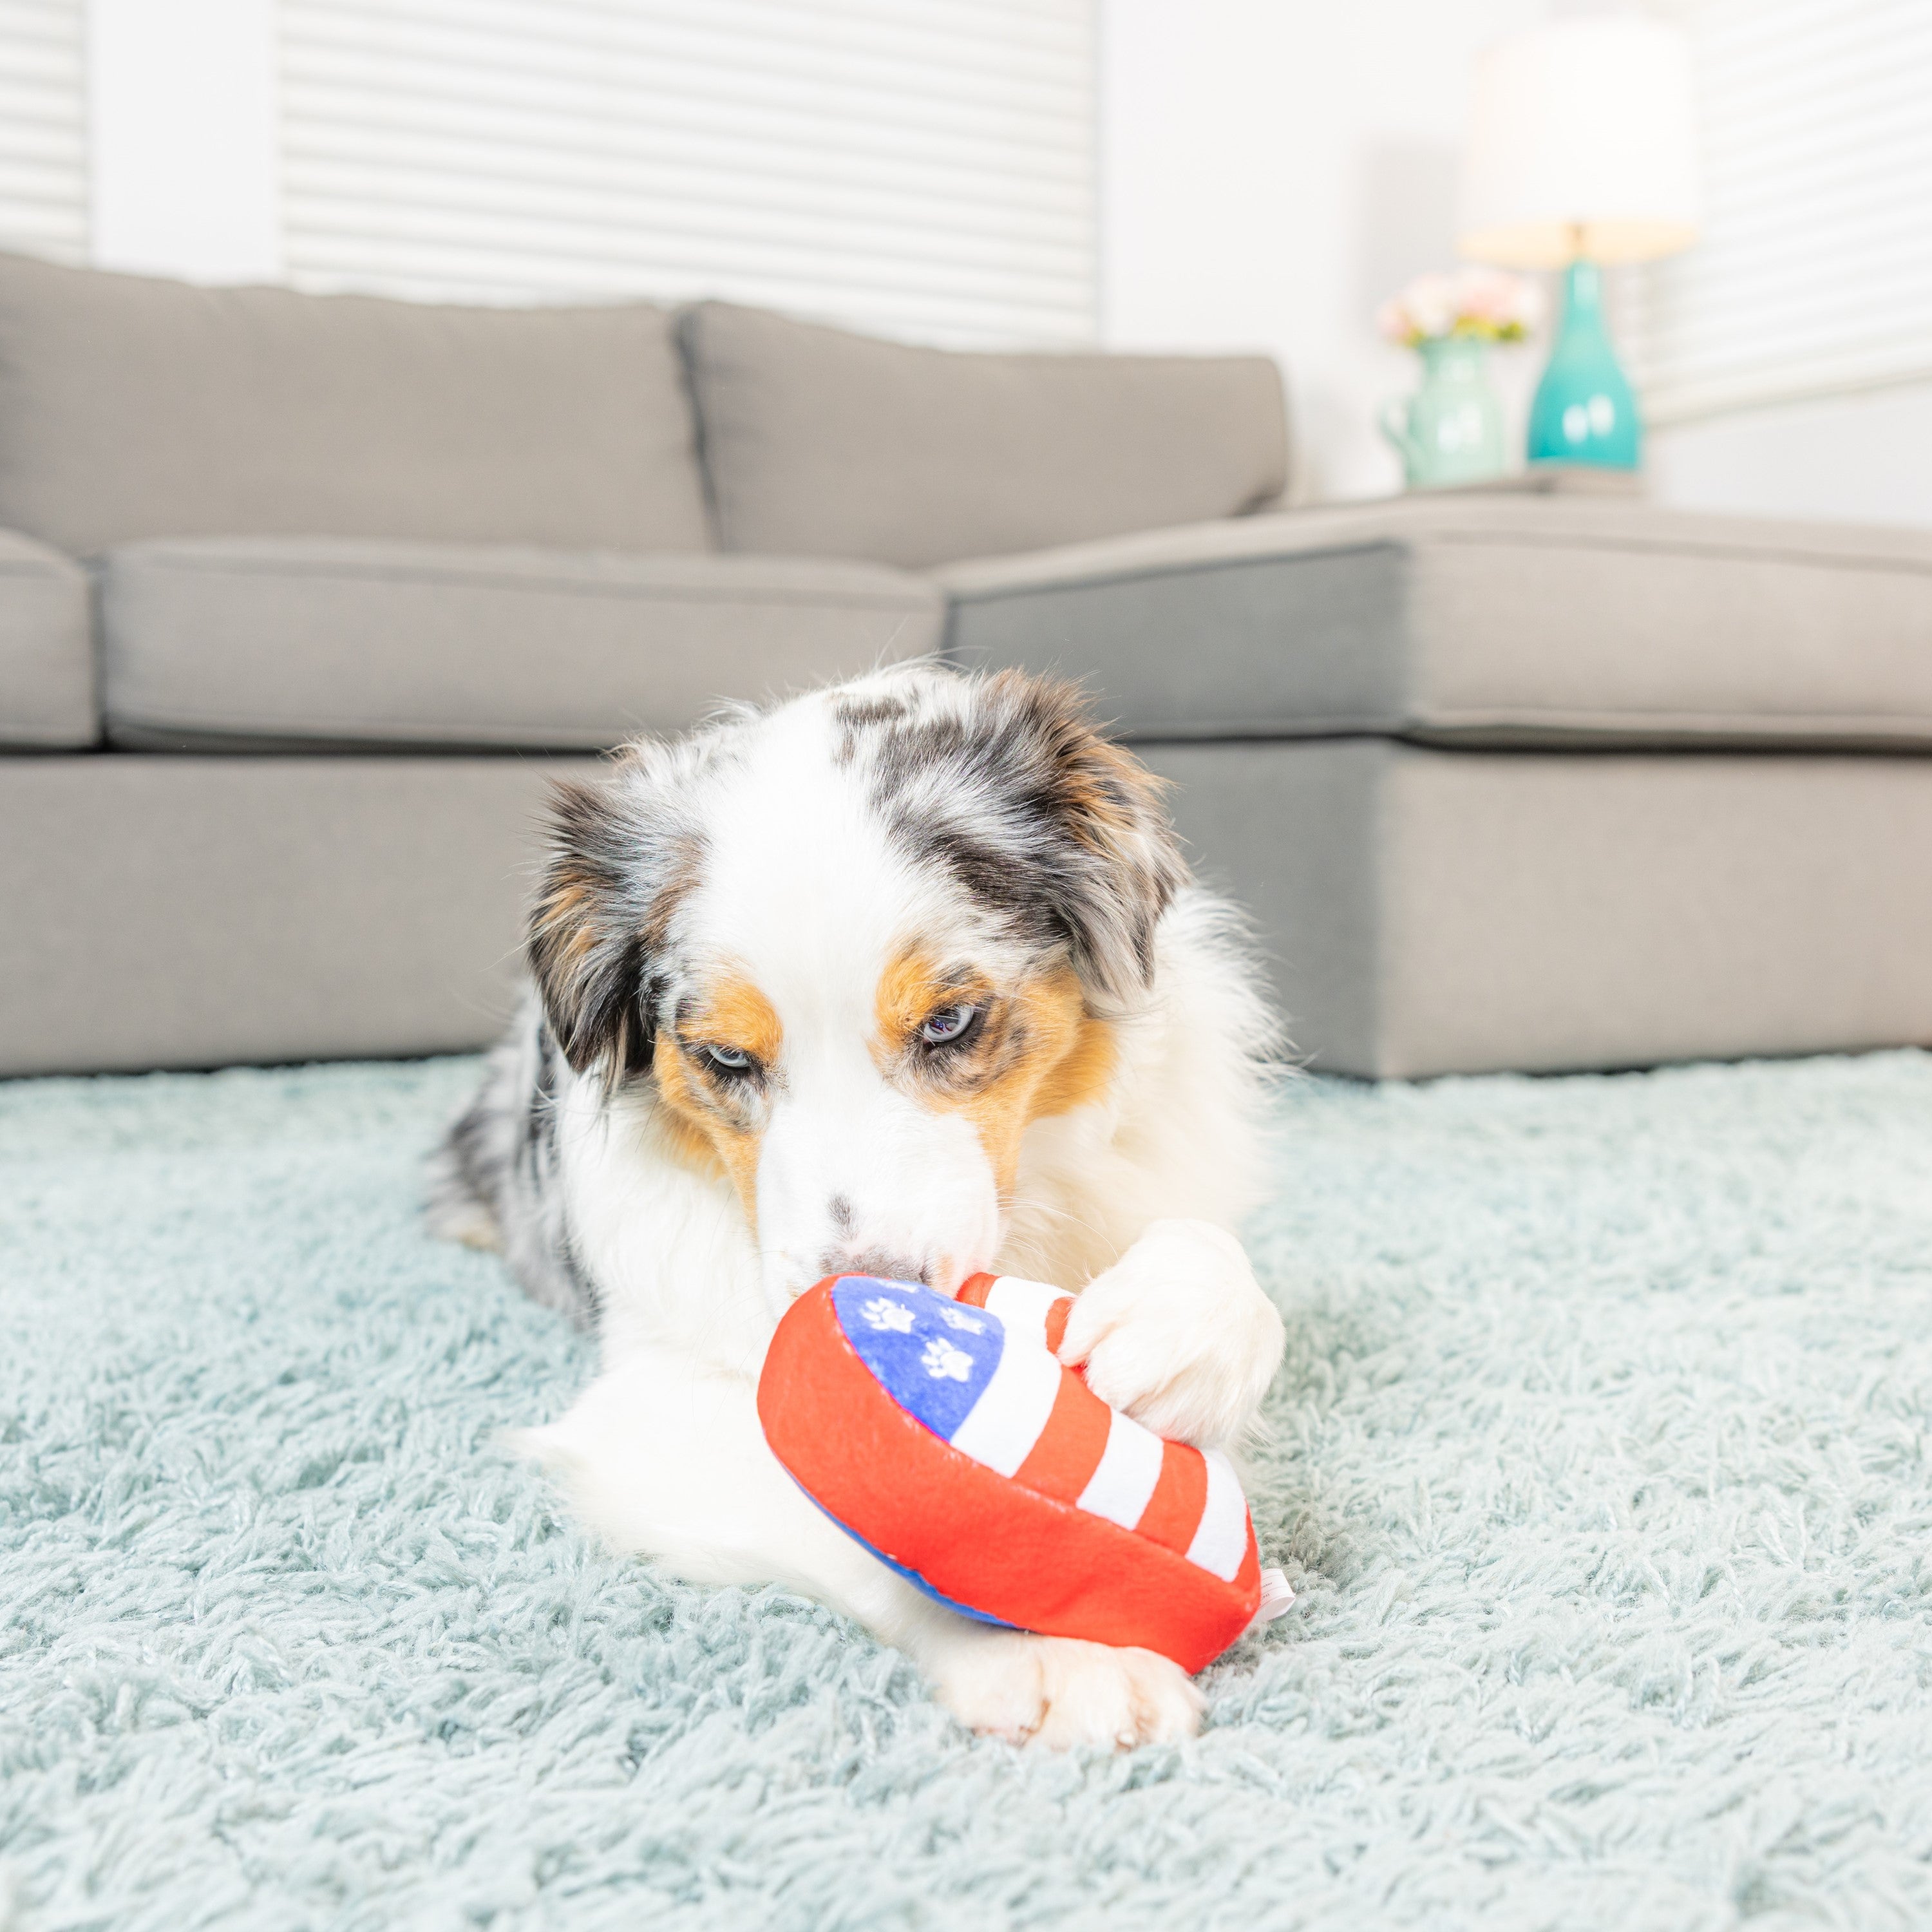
[[1178, 1334], [664, 1459]]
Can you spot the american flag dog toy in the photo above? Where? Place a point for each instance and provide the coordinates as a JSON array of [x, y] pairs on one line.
[[945, 1436]]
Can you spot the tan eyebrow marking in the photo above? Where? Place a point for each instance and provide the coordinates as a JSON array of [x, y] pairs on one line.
[[1041, 1052], [706, 1126], [734, 1012]]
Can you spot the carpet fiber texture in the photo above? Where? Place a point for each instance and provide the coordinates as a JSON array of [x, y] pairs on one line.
[[1599, 1461]]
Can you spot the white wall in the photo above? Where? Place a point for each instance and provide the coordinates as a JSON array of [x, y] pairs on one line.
[[920, 169], [1270, 169], [182, 138], [1866, 457]]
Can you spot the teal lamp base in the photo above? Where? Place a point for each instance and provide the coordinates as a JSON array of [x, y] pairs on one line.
[[1585, 410]]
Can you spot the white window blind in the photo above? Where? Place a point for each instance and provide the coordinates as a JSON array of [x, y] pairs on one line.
[[923, 167], [1814, 274], [44, 127]]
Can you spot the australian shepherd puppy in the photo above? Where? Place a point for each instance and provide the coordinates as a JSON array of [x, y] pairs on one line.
[[905, 977]]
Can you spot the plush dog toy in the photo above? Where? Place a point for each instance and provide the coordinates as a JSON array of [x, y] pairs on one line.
[[946, 1437]]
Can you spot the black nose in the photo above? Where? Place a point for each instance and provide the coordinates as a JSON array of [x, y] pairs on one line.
[[877, 1261]]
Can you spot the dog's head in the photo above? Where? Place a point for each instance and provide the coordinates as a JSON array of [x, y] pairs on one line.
[[848, 950]]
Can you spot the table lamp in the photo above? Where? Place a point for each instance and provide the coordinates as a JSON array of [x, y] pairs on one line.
[[1582, 152]]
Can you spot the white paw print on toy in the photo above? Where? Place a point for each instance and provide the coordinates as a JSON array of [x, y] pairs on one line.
[[883, 1314], [943, 1359], [957, 1318]]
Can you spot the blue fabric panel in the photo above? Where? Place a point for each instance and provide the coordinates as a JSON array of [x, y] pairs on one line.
[[932, 1357]]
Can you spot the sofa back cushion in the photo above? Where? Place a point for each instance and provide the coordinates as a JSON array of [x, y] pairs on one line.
[[131, 407], [820, 442]]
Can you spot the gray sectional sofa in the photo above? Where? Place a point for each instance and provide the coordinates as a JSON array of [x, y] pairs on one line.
[[303, 599]]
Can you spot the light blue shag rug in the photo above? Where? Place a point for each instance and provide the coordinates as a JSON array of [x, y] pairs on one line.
[[1600, 1464]]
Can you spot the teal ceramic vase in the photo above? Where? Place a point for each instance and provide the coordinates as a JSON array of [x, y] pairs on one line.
[[1585, 410], [1451, 430]]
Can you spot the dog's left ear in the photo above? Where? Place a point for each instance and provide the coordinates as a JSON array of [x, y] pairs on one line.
[[1045, 822], [1112, 863]]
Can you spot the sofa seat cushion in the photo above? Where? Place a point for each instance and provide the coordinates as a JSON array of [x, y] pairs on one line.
[[134, 407], [259, 642], [46, 649], [820, 442], [1480, 619]]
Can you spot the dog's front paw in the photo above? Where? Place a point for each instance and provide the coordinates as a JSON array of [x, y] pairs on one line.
[[1058, 1692], [1178, 1334]]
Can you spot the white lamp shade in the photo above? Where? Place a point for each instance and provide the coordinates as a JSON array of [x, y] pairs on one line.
[[1582, 142]]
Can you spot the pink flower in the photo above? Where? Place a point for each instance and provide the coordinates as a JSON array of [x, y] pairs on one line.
[[1503, 301], [1485, 303], [1486, 294]]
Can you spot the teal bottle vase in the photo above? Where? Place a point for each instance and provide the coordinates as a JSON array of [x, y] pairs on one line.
[[1585, 410], [1451, 430]]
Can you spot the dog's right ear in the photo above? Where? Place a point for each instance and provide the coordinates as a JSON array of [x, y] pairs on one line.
[[611, 881]]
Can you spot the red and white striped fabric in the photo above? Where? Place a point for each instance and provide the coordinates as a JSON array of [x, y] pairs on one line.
[[944, 1435], [1033, 1424]]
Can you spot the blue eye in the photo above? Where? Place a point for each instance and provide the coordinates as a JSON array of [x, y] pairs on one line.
[[725, 1059], [950, 1026]]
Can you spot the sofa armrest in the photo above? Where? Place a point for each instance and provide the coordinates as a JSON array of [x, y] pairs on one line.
[[49, 695]]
